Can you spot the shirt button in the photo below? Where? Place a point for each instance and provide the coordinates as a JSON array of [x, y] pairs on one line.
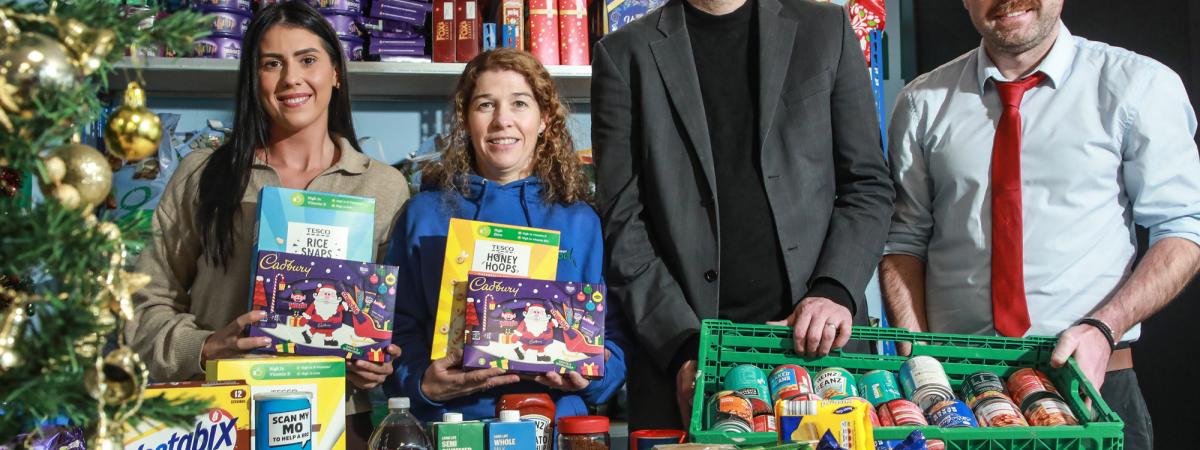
[[710, 276]]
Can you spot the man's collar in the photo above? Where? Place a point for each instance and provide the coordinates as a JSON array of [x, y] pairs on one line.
[[1056, 65]]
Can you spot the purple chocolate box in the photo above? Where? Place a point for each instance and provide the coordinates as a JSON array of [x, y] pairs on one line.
[[535, 326], [227, 5], [353, 6], [343, 24], [218, 46], [228, 22], [324, 306]]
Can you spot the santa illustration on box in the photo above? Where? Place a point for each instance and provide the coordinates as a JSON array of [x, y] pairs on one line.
[[324, 315], [535, 332]]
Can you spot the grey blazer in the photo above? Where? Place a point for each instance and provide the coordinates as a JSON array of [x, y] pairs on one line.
[[823, 169]]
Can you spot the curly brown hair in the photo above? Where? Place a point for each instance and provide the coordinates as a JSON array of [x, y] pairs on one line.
[[554, 161]]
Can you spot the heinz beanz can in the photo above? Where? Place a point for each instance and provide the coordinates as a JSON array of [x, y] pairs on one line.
[[879, 387], [835, 383], [789, 380], [283, 421], [952, 414]]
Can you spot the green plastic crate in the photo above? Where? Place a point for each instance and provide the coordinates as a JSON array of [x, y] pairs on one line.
[[724, 344]]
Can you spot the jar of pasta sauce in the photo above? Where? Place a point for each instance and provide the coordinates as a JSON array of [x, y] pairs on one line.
[[583, 433]]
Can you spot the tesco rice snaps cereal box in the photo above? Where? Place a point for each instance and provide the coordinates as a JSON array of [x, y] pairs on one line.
[[317, 224], [225, 426]]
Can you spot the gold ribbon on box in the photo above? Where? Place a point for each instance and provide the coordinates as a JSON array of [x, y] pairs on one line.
[[589, 369]]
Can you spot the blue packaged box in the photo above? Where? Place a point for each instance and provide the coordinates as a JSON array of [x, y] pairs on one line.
[[511, 433], [618, 13], [316, 224]]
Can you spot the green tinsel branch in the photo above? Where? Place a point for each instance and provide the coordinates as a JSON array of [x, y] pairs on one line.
[[59, 255]]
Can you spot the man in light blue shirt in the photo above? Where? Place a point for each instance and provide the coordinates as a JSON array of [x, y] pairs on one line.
[[1106, 142]]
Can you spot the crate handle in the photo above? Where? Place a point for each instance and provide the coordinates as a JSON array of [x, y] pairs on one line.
[[1100, 410]]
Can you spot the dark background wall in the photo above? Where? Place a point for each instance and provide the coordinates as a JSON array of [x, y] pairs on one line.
[[1166, 358]]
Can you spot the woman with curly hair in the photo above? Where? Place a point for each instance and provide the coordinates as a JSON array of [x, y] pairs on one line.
[[509, 159]]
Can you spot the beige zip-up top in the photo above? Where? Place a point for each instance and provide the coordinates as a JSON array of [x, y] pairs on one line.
[[188, 298]]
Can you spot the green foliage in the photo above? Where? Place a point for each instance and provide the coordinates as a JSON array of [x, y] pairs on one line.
[[58, 254]]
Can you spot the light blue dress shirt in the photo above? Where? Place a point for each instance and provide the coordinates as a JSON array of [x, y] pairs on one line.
[[1106, 143]]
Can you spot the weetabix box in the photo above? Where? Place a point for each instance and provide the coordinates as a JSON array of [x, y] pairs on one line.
[[226, 425], [323, 377]]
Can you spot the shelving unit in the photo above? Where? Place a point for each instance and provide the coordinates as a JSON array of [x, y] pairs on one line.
[[199, 77]]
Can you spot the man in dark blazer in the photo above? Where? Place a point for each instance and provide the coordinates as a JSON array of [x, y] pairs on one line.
[[739, 176]]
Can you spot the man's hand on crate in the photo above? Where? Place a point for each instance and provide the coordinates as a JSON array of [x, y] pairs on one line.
[[818, 325], [1090, 349], [685, 387]]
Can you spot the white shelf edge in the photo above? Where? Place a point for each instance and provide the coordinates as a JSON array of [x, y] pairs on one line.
[[199, 77]]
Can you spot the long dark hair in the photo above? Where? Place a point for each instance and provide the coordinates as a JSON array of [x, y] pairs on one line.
[[225, 177]]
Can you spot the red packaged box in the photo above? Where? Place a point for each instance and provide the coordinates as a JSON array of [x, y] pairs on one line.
[[443, 31], [572, 33], [543, 31], [467, 24]]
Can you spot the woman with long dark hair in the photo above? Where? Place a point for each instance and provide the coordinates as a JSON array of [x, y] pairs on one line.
[[292, 128], [509, 159]]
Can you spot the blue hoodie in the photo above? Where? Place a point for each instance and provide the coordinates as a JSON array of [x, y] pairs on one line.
[[418, 246]]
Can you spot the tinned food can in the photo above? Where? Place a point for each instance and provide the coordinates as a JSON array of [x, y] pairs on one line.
[[789, 380], [835, 383], [980, 385], [1049, 412], [901, 412], [999, 412], [952, 414], [1027, 385], [871, 413], [921, 373], [749, 381], [729, 411], [283, 420], [879, 387], [764, 416]]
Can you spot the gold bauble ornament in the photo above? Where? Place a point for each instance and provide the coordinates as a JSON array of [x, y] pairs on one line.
[[133, 131], [56, 169], [10, 326], [106, 437], [34, 62], [123, 378], [90, 45], [87, 171], [67, 195]]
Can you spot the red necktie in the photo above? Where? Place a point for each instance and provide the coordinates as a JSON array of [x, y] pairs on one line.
[[1009, 311]]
